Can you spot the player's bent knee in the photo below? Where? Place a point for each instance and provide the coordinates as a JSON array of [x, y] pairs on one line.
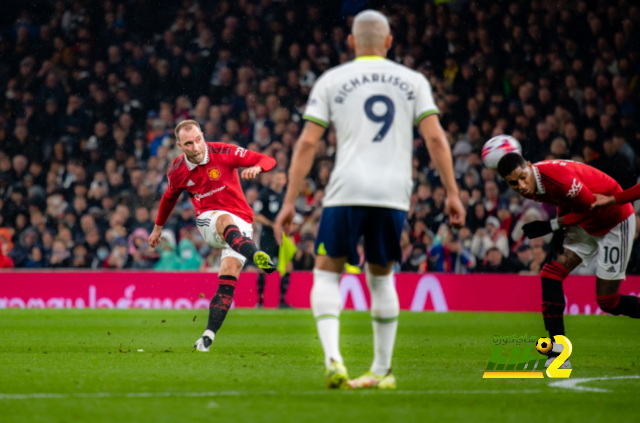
[[222, 222], [569, 260]]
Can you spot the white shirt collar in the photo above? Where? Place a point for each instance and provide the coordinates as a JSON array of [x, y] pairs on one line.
[[539, 187], [192, 166]]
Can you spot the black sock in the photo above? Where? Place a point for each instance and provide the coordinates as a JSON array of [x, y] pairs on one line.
[[221, 302], [616, 304], [284, 286], [552, 275], [629, 305], [240, 243], [261, 282], [553, 306]]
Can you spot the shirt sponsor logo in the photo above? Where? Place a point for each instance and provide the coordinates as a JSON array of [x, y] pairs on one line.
[[240, 151], [576, 187], [198, 197], [214, 173]]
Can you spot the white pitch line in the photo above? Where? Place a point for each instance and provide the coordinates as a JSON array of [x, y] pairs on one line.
[[573, 383], [98, 395]]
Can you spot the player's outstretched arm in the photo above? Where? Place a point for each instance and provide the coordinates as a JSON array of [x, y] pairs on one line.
[[301, 163], [440, 152], [167, 203], [627, 196]]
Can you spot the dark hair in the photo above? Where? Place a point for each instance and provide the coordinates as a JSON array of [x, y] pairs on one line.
[[510, 162]]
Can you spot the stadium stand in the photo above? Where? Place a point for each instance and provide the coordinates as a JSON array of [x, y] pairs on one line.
[[90, 94]]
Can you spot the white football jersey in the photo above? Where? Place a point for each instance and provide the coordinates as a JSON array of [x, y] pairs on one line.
[[373, 104]]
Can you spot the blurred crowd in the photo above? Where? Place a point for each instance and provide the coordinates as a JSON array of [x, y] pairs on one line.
[[90, 92]]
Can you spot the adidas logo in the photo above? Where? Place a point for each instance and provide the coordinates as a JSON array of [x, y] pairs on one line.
[[611, 269], [190, 183]]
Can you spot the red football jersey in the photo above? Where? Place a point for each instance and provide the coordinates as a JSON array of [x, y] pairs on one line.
[[214, 184], [570, 186]]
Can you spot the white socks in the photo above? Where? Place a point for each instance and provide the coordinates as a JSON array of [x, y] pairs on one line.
[[385, 309], [326, 303]]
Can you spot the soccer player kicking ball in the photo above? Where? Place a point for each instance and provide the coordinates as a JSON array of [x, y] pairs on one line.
[[207, 171], [606, 233], [373, 104]]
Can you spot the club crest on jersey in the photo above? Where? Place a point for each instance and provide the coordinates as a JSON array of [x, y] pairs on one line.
[[214, 173], [576, 187]]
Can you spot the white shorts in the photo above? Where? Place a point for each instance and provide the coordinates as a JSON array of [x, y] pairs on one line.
[[207, 226], [613, 249]]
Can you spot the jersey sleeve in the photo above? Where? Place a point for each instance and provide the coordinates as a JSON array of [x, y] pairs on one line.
[[425, 105], [241, 157], [168, 201], [317, 109], [628, 195]]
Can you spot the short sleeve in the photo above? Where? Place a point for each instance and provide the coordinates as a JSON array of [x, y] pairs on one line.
[[317, 109], [425, 105]]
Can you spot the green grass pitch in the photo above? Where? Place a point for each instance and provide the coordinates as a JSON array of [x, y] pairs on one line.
[[266, 366]]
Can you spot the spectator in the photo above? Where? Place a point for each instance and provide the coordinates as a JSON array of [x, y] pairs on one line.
[[5, 262], [491, 236], [139, 249], [451, 257], [119, 258], [495, 262], [36, 259], [304, 258], [189, 257], [169, 259], [60, 255]]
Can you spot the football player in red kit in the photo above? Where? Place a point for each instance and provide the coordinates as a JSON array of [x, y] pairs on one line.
[[604, 233], [207, 171]]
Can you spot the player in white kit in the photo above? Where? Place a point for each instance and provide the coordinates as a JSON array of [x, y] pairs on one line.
[[373, 104]]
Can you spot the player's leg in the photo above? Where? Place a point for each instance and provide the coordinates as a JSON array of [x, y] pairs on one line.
[[333, 246], [228, 230], [613, 256], [221, 302], [578, 246], [382, 233], [326, 304], [262, 279], [284, 287], [610, 300], [271, 248]]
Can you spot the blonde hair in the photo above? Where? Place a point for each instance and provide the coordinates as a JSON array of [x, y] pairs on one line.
[[185, 124], [370, 29]]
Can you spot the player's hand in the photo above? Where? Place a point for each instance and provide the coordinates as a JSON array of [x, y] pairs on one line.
[[154, 238], [251, 172], [283, 220], [603, 200], [537, 229], [455, 210]]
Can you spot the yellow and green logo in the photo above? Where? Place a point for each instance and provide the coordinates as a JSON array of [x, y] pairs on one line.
[[523, 359]]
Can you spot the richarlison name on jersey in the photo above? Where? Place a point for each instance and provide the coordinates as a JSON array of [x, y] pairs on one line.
[[375, 78]]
